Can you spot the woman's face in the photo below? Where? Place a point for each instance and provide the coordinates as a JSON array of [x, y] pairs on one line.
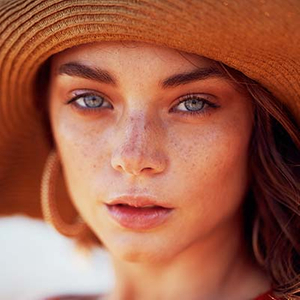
[[128, 121]]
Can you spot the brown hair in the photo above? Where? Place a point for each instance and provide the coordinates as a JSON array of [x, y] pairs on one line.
[[275, 168], [272, 206]]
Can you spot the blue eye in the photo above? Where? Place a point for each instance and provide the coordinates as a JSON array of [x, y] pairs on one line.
[[89, 101], [193, 104]]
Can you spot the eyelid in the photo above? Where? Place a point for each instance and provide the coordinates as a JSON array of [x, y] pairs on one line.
[[208, 105], [84, 109], [206, 98], [74, 95]]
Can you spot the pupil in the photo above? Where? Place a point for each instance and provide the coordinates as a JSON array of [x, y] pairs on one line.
[[194, 104], [93, 101]]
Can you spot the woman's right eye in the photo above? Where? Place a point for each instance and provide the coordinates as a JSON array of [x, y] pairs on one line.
[[89, 102]]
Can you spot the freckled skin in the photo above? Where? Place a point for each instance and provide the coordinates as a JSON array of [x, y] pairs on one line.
[[199, 164]]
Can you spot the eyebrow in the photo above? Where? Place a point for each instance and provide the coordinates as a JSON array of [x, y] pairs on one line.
[[103, 76], [83, 71], [187, 77]]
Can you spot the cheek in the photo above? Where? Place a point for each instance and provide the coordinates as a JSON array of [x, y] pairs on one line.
[[82, 154], [211, 171]]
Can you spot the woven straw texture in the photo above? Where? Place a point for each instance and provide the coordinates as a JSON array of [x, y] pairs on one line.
[[261, 38]]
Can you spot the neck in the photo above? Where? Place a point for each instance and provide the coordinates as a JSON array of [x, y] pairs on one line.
[[213, 268]]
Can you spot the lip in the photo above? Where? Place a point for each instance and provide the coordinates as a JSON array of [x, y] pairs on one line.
[[133, 212], [137, 201]]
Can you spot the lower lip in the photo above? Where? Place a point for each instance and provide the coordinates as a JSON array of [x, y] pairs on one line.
[[138, 218]]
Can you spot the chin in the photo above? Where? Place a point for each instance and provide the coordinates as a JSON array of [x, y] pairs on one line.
[[142, 250]]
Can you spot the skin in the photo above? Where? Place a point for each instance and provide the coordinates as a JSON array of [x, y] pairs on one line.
[[140, 143]]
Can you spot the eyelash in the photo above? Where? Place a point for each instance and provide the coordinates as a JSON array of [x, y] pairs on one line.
[[207, 105]]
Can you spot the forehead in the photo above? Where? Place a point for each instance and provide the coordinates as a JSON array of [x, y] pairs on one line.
[[123, 54]]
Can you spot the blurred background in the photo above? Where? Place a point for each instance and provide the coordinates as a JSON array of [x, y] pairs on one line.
[[36, 262]]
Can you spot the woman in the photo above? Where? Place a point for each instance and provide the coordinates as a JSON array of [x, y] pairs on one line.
[[179, 146]]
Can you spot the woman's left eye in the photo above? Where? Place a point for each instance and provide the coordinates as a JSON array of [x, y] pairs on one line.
[[193, 104]]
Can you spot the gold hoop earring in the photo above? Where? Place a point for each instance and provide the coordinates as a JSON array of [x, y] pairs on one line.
[[49, 206]]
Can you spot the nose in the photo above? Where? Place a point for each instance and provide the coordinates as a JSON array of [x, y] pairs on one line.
[[138, 148]]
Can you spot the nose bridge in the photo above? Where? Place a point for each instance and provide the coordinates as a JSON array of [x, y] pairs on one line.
[[138, 130], [137, 145]]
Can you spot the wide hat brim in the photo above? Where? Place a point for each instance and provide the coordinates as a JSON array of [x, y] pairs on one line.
[[258, 37]]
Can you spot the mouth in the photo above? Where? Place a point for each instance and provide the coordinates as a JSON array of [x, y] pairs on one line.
[[137, 202], [138, 213], [137, 207]]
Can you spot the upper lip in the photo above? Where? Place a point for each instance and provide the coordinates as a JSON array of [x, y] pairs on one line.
[[136, 201]]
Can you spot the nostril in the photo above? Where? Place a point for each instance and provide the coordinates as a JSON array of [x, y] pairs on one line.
[[147, 169]]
